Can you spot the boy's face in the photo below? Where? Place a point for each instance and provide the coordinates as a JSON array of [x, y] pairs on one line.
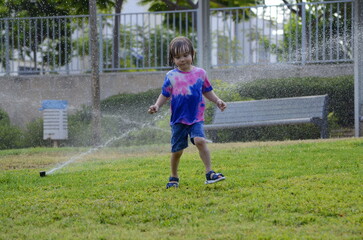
[[183, 61]]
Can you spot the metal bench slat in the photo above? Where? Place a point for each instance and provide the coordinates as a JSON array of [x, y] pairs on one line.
[[246, 116], [257, 124]]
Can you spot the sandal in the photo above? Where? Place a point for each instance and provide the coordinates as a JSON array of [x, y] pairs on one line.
[[213, 177], [173, 182]]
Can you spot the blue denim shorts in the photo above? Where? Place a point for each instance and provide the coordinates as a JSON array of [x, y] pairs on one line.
[[180, 132]]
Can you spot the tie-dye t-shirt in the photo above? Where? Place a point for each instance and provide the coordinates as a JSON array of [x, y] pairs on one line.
[[186, 91]]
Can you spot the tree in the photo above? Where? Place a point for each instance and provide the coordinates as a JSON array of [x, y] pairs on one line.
[[172, 5], [36, 40], [169, 5], [42, 8], [96, 99]]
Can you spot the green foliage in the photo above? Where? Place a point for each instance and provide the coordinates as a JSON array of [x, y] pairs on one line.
[[126, 114], [225, 91], [232, 92], [156, 56], [317, 17], [79, 128], [42, 8], [133, 104], [10, 137], [43, 35], [288, 190], [124, 121], [229, 50], [4, 118], [144, 136], [166, 5], [341, 106], [140, 48], [339, 89], [269, 133], [33, 135]]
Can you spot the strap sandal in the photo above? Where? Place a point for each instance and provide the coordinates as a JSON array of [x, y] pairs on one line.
[[173, 182], [213, 177]]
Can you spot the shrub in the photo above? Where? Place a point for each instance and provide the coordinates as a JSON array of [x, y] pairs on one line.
[[225, 91], [10, 137], [339, 89], [79, 128], [143, 136], [4, 118], [33, 134], [120, 114], [124, 112], [134, 106], [269, 133]]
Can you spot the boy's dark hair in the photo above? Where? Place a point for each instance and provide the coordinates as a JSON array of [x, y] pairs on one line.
[[180, 45]]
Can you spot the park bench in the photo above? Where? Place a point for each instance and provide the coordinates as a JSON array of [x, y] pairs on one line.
[[269, 112]]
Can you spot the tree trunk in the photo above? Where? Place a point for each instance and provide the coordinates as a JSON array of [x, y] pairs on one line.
[[96, 102]]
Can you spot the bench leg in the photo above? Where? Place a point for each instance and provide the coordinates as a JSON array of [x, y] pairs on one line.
[[323, 125], [324, 130], [324, 133], [214, 135]]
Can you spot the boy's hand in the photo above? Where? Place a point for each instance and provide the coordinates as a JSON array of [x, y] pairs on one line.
[[153, 109], [221, 105]]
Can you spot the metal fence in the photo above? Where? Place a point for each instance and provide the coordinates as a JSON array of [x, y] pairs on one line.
[[320, 32], [303, 33]]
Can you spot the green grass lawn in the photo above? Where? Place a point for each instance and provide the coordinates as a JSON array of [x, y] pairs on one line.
[[273, 190]]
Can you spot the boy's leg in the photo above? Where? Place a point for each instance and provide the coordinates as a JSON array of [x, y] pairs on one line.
[[204, 153], [179, 141], [197, 137], [174, 163]]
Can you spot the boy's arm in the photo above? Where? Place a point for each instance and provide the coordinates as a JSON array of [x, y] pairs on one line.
[[159, 103], [211, 96]]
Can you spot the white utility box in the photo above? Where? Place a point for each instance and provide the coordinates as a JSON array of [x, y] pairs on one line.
[[55, 119]]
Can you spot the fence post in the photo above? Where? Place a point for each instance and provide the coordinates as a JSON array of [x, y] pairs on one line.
[[203, 35], [358, 67], [7, 48], [303, 33]]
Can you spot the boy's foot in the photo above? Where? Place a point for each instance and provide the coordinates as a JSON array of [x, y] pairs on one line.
[[213, 177], [173, 182]]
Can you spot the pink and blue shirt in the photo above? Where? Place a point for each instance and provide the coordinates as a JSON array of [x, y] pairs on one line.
[[186, 92]]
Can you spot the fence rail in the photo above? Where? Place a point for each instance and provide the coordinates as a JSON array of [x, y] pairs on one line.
[[320, 32]]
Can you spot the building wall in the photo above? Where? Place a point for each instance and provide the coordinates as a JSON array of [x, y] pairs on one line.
[[21, 96]]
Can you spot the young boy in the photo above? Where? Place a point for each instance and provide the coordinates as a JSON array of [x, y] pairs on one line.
[[186, 85]]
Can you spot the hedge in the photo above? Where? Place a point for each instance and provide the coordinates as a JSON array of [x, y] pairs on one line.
[[339, 89]]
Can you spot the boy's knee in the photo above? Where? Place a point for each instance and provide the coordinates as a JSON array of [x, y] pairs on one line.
[[178, 153], [199, 141]]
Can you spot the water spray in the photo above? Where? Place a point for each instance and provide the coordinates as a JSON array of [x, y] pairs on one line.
[[142, 125], [92, 150]]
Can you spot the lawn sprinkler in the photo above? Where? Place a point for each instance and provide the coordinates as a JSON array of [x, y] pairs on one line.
[[42, 173]]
